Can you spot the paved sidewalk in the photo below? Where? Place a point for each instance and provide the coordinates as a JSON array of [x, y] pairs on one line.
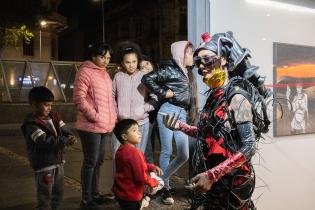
[[17, 179]]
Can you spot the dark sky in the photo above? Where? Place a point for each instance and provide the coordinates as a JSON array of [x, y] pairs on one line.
[[88, 12], [19, 11]]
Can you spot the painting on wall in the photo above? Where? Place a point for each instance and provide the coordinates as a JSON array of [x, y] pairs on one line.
[[294, 89]]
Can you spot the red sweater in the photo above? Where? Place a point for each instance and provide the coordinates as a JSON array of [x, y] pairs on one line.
[[131, 173]]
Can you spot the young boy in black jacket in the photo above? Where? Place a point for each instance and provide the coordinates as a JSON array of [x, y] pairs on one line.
[[46, 136]]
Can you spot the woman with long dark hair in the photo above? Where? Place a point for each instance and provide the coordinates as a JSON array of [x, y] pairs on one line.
[[95, 119], [170, 82]]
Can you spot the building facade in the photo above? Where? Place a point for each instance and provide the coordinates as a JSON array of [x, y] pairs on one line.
[[154, 25], [44, 44]]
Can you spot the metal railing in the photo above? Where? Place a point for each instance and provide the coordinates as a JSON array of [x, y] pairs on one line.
[[17, 77]]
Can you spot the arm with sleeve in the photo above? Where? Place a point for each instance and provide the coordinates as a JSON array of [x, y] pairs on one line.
[[244, 126], [140, 175], [42, 139], [80, 95], [153, 81]]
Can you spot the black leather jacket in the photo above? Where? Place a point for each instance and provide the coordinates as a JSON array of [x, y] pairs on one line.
[[169, 76]]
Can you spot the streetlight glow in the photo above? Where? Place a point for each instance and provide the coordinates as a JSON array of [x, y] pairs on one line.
[[43, 23]]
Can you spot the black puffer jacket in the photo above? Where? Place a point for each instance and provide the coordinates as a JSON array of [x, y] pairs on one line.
[[169, 76]]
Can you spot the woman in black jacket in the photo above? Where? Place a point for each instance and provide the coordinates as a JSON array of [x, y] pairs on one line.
[[171, 84]]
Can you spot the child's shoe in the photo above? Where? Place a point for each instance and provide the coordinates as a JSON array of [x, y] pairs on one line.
[[145, 202], [100, 198], [91, 205]]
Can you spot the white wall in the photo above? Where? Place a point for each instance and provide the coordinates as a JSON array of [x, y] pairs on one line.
[[287, 164], [198, 23]]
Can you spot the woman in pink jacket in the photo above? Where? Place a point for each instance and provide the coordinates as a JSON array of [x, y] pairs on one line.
[[95, 120]]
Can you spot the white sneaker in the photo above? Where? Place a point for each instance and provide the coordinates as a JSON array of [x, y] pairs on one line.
[[167, 197], [145, 202]]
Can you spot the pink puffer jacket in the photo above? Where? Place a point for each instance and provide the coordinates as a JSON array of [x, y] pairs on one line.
[[92, 97]]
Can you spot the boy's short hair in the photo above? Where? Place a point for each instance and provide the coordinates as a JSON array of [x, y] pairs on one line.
[[40, 94], [121, 128]]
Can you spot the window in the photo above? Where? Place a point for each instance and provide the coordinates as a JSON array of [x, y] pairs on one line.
[[28, 48], [53, 48]]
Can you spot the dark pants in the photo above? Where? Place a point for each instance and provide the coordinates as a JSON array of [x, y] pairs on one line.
[[129, 205], [192, 146], [93, 146], [49, 186]]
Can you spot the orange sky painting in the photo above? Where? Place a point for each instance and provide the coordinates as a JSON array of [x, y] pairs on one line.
[[297, 71]]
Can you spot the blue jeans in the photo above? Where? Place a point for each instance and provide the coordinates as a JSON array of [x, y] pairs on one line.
[[93, 146], [166, 136], [49, 186], [148, 150]]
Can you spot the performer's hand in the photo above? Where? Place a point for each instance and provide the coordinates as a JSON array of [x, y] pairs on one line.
[[169, 94], [202, 183], [171, 121], [158, 171]]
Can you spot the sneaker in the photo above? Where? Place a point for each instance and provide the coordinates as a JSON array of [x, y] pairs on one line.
[[100, 198], [167, 197], [145, 202], [91, 205], [110, 196]]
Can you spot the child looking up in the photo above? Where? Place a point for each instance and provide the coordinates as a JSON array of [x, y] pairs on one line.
[[132, 170]]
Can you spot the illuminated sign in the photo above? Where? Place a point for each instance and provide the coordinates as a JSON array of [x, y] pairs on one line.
[[27, 80]]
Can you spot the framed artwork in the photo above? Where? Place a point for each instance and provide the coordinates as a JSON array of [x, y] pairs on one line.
[[294, 89]]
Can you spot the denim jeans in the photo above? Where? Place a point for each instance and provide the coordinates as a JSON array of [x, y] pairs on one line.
[[142, 145], [166, 136], [93, 146], [49, 185], [149, 150]]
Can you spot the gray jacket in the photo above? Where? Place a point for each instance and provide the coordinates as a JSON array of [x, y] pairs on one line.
[[132, 97]]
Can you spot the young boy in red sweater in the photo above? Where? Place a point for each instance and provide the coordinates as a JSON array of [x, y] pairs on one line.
[[132, 170]]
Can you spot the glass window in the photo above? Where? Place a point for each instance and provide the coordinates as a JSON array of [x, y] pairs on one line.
[[14, 74], [52, 84], [66, 74]]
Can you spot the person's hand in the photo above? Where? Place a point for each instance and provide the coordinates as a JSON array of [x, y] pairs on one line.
[[171, 121], [202, 183], [72, 140], [158, 171], [169, 94]]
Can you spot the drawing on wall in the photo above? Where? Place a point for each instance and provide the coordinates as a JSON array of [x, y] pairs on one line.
[[294, 88]]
